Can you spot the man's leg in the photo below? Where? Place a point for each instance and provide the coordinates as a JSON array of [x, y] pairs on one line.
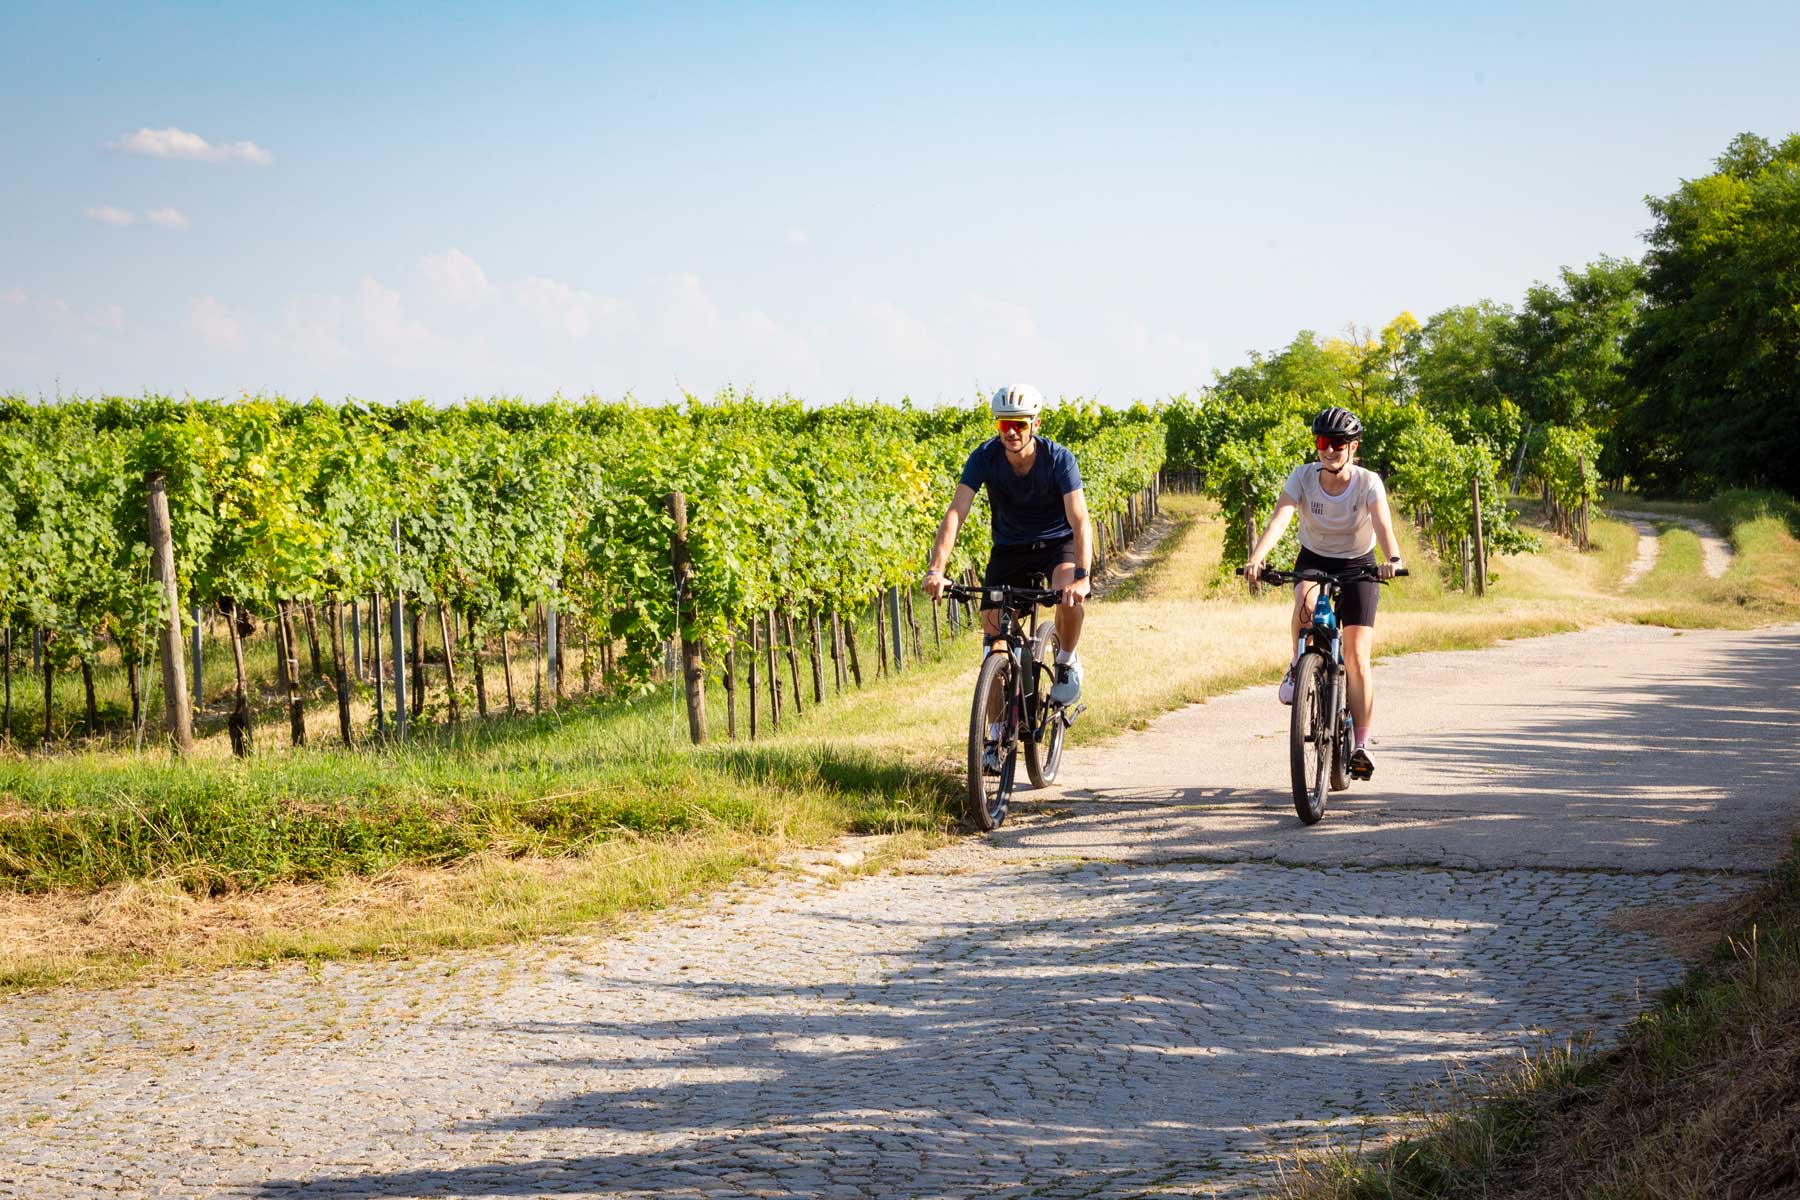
[[1068, 616]]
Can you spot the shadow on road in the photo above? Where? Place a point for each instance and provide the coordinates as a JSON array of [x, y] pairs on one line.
[[1112, 1029]]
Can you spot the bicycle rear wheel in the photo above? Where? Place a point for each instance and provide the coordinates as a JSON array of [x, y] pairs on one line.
[[1043, 757], [990, 788], [1310, 735]]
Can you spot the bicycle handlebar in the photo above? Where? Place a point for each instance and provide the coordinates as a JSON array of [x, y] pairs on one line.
[[1312, 575], [1011, 597]]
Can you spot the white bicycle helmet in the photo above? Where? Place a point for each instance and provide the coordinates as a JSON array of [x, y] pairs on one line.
[[1017, 400]]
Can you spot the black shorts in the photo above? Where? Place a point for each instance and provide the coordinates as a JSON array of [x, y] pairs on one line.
[[1356, 606], [1025, 565]]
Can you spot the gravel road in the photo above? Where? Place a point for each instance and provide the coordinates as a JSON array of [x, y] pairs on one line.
[[1138, 988]]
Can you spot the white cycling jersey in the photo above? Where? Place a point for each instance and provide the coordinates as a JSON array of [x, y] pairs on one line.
[[1341, 526]]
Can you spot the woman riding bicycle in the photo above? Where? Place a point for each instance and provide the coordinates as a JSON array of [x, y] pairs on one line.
[[1343, 512]]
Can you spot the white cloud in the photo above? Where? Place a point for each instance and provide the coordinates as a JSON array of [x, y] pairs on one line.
[[220, 329], [767, 344], [179, 143], [109, 317], [457, 276], [106, 214], [571, 311], [13, 296], [166, 218], [392, 335], [685, 310], [797, 236], [310, 326], [898, 344]]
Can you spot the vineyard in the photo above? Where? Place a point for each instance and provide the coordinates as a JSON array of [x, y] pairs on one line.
[[600, 537]]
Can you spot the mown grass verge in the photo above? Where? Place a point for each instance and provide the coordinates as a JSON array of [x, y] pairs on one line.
[[1700, 1098]]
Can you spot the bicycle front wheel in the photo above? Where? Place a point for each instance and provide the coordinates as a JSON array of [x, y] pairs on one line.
[[1340, 751], [1043, 754], [1310, 735], [993, 762]]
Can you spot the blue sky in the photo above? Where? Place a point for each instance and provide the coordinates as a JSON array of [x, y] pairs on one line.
[[445, 200]]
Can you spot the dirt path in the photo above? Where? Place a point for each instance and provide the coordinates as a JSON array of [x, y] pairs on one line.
[[1136, 989], [1715, 551]]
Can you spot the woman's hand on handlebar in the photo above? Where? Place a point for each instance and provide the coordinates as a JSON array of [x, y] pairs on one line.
[[1253, 570], [1389, 569]]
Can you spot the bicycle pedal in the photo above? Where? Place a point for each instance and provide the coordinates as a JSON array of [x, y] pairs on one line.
[[1362, 773], [1069, 715]]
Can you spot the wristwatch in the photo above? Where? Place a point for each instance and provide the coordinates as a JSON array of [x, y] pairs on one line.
[[1081, 572]]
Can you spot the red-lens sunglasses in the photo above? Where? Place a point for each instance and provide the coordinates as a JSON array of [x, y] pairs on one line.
[[1333, 443], [1010, 426]]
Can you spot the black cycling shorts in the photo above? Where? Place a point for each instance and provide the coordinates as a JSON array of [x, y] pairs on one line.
[[1025, 565], [1356, 604]]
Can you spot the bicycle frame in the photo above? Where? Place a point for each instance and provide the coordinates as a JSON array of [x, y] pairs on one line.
[[1018, 629]]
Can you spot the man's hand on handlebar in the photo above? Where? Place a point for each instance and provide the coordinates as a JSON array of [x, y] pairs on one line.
[[1075, 592], [935, 583]]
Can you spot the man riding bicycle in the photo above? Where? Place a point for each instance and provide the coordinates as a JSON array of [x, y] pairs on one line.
[[1040, 524], [1343, 512]]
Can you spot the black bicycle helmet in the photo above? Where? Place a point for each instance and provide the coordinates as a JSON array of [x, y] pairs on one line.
[[1337, 422]]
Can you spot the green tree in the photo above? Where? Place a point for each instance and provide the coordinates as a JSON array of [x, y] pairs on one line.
[[1717, 353]]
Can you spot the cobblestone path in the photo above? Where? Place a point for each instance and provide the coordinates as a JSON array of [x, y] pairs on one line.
[[1075, 1008]]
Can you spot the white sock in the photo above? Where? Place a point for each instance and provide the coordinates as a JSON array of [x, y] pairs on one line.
[[1065, 656], [993, 731]]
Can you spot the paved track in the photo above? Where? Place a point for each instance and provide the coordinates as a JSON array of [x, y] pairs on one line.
[[1133, 990]]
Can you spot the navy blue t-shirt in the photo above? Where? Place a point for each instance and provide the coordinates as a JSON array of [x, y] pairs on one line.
[[1026, 508]]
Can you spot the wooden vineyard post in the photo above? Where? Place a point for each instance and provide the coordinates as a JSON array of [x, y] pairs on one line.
[[693, 674], [310, 613], [162, 570], [512, 703], [849, 627], [290, 674], [818, 659], [893, 606], [793, 657], [397, 621], [376, 665], [553, 640], [774, 666], [418, 658], [881, 654], [475, 663], [837, 652], [753, 681], [199, 670], [1462, 559], [455, 705], [537, 659], [356, 654], [334, 617], [6, 659], [1480, 539], [730, 685]]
